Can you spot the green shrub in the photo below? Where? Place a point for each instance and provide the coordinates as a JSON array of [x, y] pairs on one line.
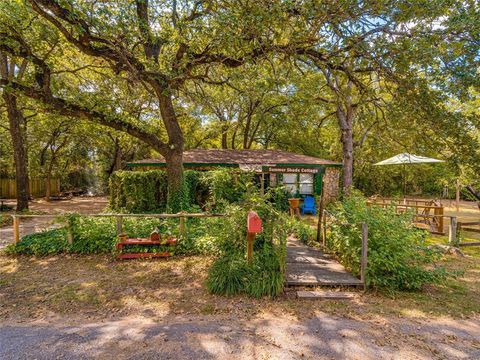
[[279, 196], [44, 243], [398, 256], [230, 273], [98, 235], [146, 191], [138, 191], [92, 235], [266, 277], [226, 186], [202, 237], [305, 232]]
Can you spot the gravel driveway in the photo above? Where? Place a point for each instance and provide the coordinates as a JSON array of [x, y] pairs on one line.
[[208, 337]]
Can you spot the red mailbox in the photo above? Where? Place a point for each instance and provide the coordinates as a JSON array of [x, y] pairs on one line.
[[254, 223]]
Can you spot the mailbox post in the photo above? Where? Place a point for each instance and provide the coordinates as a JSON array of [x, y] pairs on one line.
[[254, 226]]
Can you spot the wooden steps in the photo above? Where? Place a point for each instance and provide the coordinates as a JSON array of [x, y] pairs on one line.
[[306, 266]]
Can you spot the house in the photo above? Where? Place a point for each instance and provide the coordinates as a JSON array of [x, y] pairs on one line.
[[301, 174]]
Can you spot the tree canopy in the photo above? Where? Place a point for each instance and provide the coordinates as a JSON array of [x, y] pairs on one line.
[[102, 83]]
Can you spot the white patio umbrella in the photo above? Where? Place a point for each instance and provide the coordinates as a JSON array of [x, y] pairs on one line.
[[404, 159]]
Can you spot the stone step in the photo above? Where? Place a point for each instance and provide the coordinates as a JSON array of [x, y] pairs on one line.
[[325, 295]]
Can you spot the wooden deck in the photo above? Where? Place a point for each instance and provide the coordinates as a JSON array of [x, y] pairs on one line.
[[307, 266]]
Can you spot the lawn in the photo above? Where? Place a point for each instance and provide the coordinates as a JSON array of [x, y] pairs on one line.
[[99, 286]]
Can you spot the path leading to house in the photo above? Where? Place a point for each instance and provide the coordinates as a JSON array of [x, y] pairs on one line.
[[307, 266], [81, 205]]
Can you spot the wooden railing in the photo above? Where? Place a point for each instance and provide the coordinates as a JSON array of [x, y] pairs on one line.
[[119, 221], [429, 215], [455, 233]]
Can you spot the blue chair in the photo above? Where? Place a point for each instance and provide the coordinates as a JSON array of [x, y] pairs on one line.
[[309, 205]]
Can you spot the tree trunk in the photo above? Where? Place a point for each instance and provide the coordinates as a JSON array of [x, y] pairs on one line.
[[48, 178], [347, 151], [176, 200], [345, 119], [224, 136], [15, 119], [246, 131], [48, 190], [117, 158]]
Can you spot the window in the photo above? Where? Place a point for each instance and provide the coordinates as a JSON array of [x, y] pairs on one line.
[[306, 184], [303, 183], [290, 182]]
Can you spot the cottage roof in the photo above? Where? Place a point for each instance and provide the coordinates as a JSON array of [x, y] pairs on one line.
[[232, 157]]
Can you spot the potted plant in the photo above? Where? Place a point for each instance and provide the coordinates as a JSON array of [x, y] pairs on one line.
[[295, 201]]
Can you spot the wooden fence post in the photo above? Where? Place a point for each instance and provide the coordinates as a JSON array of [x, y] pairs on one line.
[[363, 261], [320, 217], [119, 225], [438, 215], [250, 240], [16, 229], [69, 231], [458, 187], [324, 232], [181, 227], [452, 232]]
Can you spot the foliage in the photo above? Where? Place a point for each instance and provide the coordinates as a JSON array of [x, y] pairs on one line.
[[398, 256], [230, 274], [146, 191], [92, 235], [279, 196], [266, 277], [41, 244], [302, 230], [138, 191], [202, 237], [226, 186]]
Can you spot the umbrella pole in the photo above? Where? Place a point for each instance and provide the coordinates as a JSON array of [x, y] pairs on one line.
[[404, 183]]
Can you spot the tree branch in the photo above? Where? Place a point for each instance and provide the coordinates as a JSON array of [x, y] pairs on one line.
[[64, 107]]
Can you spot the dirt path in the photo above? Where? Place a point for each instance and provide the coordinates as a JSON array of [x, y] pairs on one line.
[[82, 205], [266, 337]]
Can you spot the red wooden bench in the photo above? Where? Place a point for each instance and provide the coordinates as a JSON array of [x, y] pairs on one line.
[[144, 241]]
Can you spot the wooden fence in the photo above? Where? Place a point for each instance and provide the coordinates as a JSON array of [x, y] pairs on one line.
[[119, 221], [8, 188], [455, 232], [427, 215]]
